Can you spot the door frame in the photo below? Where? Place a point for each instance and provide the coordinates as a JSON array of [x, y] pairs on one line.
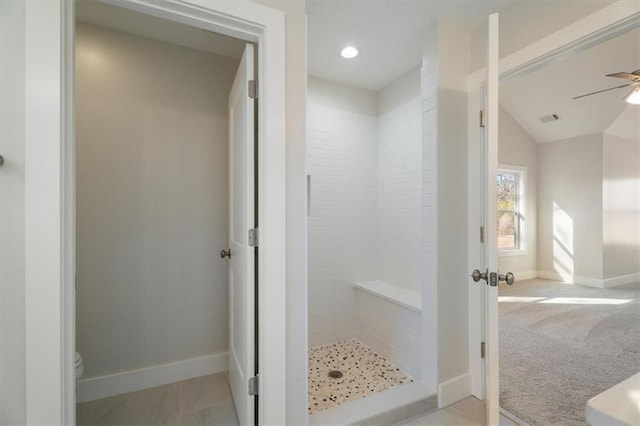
[[602, 25], [50, 194]]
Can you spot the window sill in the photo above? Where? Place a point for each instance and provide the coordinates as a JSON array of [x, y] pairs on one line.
[[508, 253]]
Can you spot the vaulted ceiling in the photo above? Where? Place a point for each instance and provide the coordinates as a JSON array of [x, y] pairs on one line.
[[550, 91]]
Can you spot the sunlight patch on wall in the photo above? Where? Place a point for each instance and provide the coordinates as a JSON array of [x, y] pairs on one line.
[[562, 243]]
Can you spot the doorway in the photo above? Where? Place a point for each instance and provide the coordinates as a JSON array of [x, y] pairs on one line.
[[164, 182], [48, 183], [577, 277], [561, 45]]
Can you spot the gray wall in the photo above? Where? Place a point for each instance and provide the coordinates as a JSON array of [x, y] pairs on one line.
[[621, 205], [151, 201], [570, 206], [517, 148]]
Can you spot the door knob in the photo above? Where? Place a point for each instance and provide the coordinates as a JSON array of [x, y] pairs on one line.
[[509, 278], [225, 253], [477, 275]]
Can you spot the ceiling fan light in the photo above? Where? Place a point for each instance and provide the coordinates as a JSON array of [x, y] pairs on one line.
[[634, 97]]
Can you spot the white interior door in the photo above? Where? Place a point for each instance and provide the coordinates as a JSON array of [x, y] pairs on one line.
[[242, 217], [490, 311], [483, 250]]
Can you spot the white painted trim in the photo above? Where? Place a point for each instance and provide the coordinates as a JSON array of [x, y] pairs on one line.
[[475, 249], [590, 282], [149, 377], [454, 390], [621, 280], [525, 275], [600, 26], [44, 243], [49, 236], [492, 366], [573, 279]]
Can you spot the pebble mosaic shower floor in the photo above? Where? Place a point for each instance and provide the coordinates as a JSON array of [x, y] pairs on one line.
[[364, 372]]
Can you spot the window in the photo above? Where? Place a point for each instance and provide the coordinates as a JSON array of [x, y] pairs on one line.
[[510, 219]]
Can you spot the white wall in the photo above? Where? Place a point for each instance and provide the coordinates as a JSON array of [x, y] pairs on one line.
[[151, 201], [399, 183], [570, 207], [517, 148], [392, 330], [621, 205], [365, 161], [452, 275], [341, 160], [12, 226]]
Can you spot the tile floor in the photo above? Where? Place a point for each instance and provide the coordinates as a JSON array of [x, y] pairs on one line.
[[201, 401], [468, 412], [365, 372]]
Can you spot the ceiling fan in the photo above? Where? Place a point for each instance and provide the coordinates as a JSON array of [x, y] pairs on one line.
[[634, 96]]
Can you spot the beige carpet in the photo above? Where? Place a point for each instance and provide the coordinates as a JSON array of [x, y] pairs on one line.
[[562, 344]]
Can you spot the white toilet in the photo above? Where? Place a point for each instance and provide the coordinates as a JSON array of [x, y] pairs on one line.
[[78, 366]]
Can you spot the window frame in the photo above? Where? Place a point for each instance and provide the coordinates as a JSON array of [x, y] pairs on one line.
[[521, 195]]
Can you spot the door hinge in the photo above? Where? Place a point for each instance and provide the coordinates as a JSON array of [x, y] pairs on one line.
[[482, 350], [253, 89], [482, 234], [253, 385], [481, 118], [253, 237]]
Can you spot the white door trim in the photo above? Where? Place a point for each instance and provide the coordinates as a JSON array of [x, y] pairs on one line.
[[50, 190], [603, 25]]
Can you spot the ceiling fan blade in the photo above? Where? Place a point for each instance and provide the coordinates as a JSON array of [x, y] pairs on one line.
[[605, 90], [627, 75]]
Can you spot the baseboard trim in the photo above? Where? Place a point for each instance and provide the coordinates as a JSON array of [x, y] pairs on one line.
[[525, 275], [133, 380], [590, 282], [454, 390], [571, 279], [621, 280]]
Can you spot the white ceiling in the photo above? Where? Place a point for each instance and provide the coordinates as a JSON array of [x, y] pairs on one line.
[[551, 89], [386, 32], [99, 13]]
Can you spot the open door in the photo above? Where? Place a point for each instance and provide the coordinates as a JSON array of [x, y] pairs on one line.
[[492, 381], [242, 246], [485, 278]]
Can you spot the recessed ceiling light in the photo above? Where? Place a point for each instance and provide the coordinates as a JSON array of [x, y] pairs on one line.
[[349, 52]]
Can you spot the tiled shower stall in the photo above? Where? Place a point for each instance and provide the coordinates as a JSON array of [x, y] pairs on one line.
[[365, 171]]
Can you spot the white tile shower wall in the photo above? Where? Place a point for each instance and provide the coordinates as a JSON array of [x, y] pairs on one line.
[[392, 330], [341, 159], [399, 183]]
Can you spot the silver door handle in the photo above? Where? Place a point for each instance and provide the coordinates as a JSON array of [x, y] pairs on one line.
[[477, 275], [225, 253], [1, 160], [509, 278]]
